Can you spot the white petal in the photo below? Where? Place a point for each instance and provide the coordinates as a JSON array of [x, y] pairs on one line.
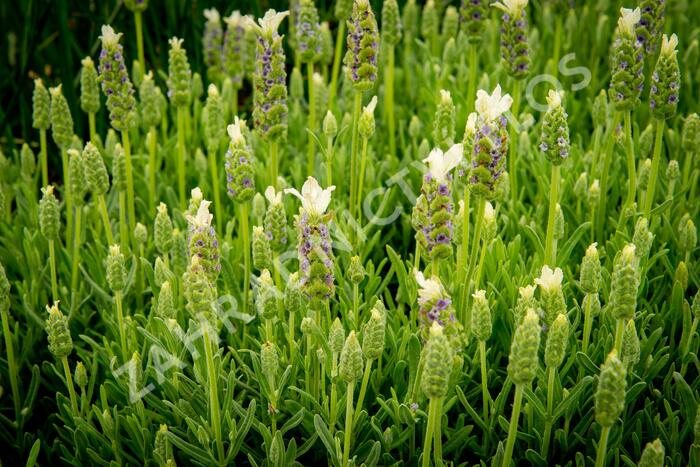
[[109, 37]]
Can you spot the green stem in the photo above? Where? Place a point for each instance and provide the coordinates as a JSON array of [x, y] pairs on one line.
[[105, 219], [353, 149], [292, 343], [329, 161], [472, 261], [139, 38], [311, 146], [607, 161], [69, 384], [69, 199], [389, 99], [123, 231], [471, 83], [480, 267], [355, 306], [363, 389], [655, 162], [602, 447], [76, 253], [273, 163], [152, 144], [334, 395], [619, 333], [429, 433], [484, 381], [587, 326], [245, 236], [214, 396], [91, 126], [181, 155], [553, 199], [437, 432], [348, 423], [11, 364], [631, 168], [513, 150], [548, 418], [43, 157], [513, 428], [361, 181], [339, 39], [54, 281], [120, 323], [214, 170], [129, 180]]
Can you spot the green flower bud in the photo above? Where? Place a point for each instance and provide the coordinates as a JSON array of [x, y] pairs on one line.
[[116, 271], [653, 454], [178, 253], [696, 427], [356, 271], [695, 307], [514, 45], [81, 377], [391, 22], [235, 49], [410, 20], [630, 345], [681, 275], [296, 85], [450, 23], [559, 223], [423, 149], [258, 209], [336, 336], [444, 123], [687, 235], [673, 172], [594, 301], [373, 332], [179, 74], [77, 183], [136, 5], [275, 220], [135, 375], [162, 450], [4, 290], [526, 300], [646, 141], [60, 341], [89, 91], [199, 293], [268, 300], [594, 193], [330, 125], [150, 108], [590, 270], [119, 169], [599, 109], [557, 339], [307, 325], [437, 361], [627, 64], [326, 44], [270, 99], [429, 21], [111, 142], [161, 273], [95, 171], [163, 230], [240, 174], [166, 308], [555, 130], [41, 106], [269, 360], [581, 186], [27, 162], [351, 360], [472, 16], [481, 316], [457, 223], [140, 234], [624, 283], [644, 171], [610, 394], [203, 242], [308, 32], [292, 294], [262, 254], [61, 119], [49, 214], [362, 47], [115, 80], [642, 238], [551, 293], [321, 93], [137, 73], [415, 127], [214, 128], [523, 362], [666, 81], [690, 137], [212, 44]]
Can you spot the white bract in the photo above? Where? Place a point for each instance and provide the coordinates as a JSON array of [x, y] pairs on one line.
[[527, 292], [554, 98], [511, 6], [212, 15], [440, 164], [491, 106], [668, 45], [628, 20], [274, 197], [109, 37], [268, 24], [429, 289], [203, 217], [314, 199], [235, 131], [550, 281]]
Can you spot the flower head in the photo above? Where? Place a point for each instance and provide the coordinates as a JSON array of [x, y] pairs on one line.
[[314, 199], [442, 163], [669, 44], [628, 20], [511, 6], [492, 106], [549, 280], [369, 108]]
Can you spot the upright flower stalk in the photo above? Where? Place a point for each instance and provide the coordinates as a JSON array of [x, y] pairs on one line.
[[240, 180], [212, 41], [179, 91], [151, 116], [98, 182], [373, 334], [89, 93], [235, 53], [609, 400], [116, 279], [366, 131], [41, 110], [350, 370], [342, 11], [472, 17], [138, 7], [482, 326], [120, 102], [9, 346], [361, 72], [663, 100], [61, 345], [214, 132], [515, 55], [589, 282], [62, 133], [554, 353], [78, 189], [624, 284], [555, 146], [270, 78], [49, 226], [390, 36]]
